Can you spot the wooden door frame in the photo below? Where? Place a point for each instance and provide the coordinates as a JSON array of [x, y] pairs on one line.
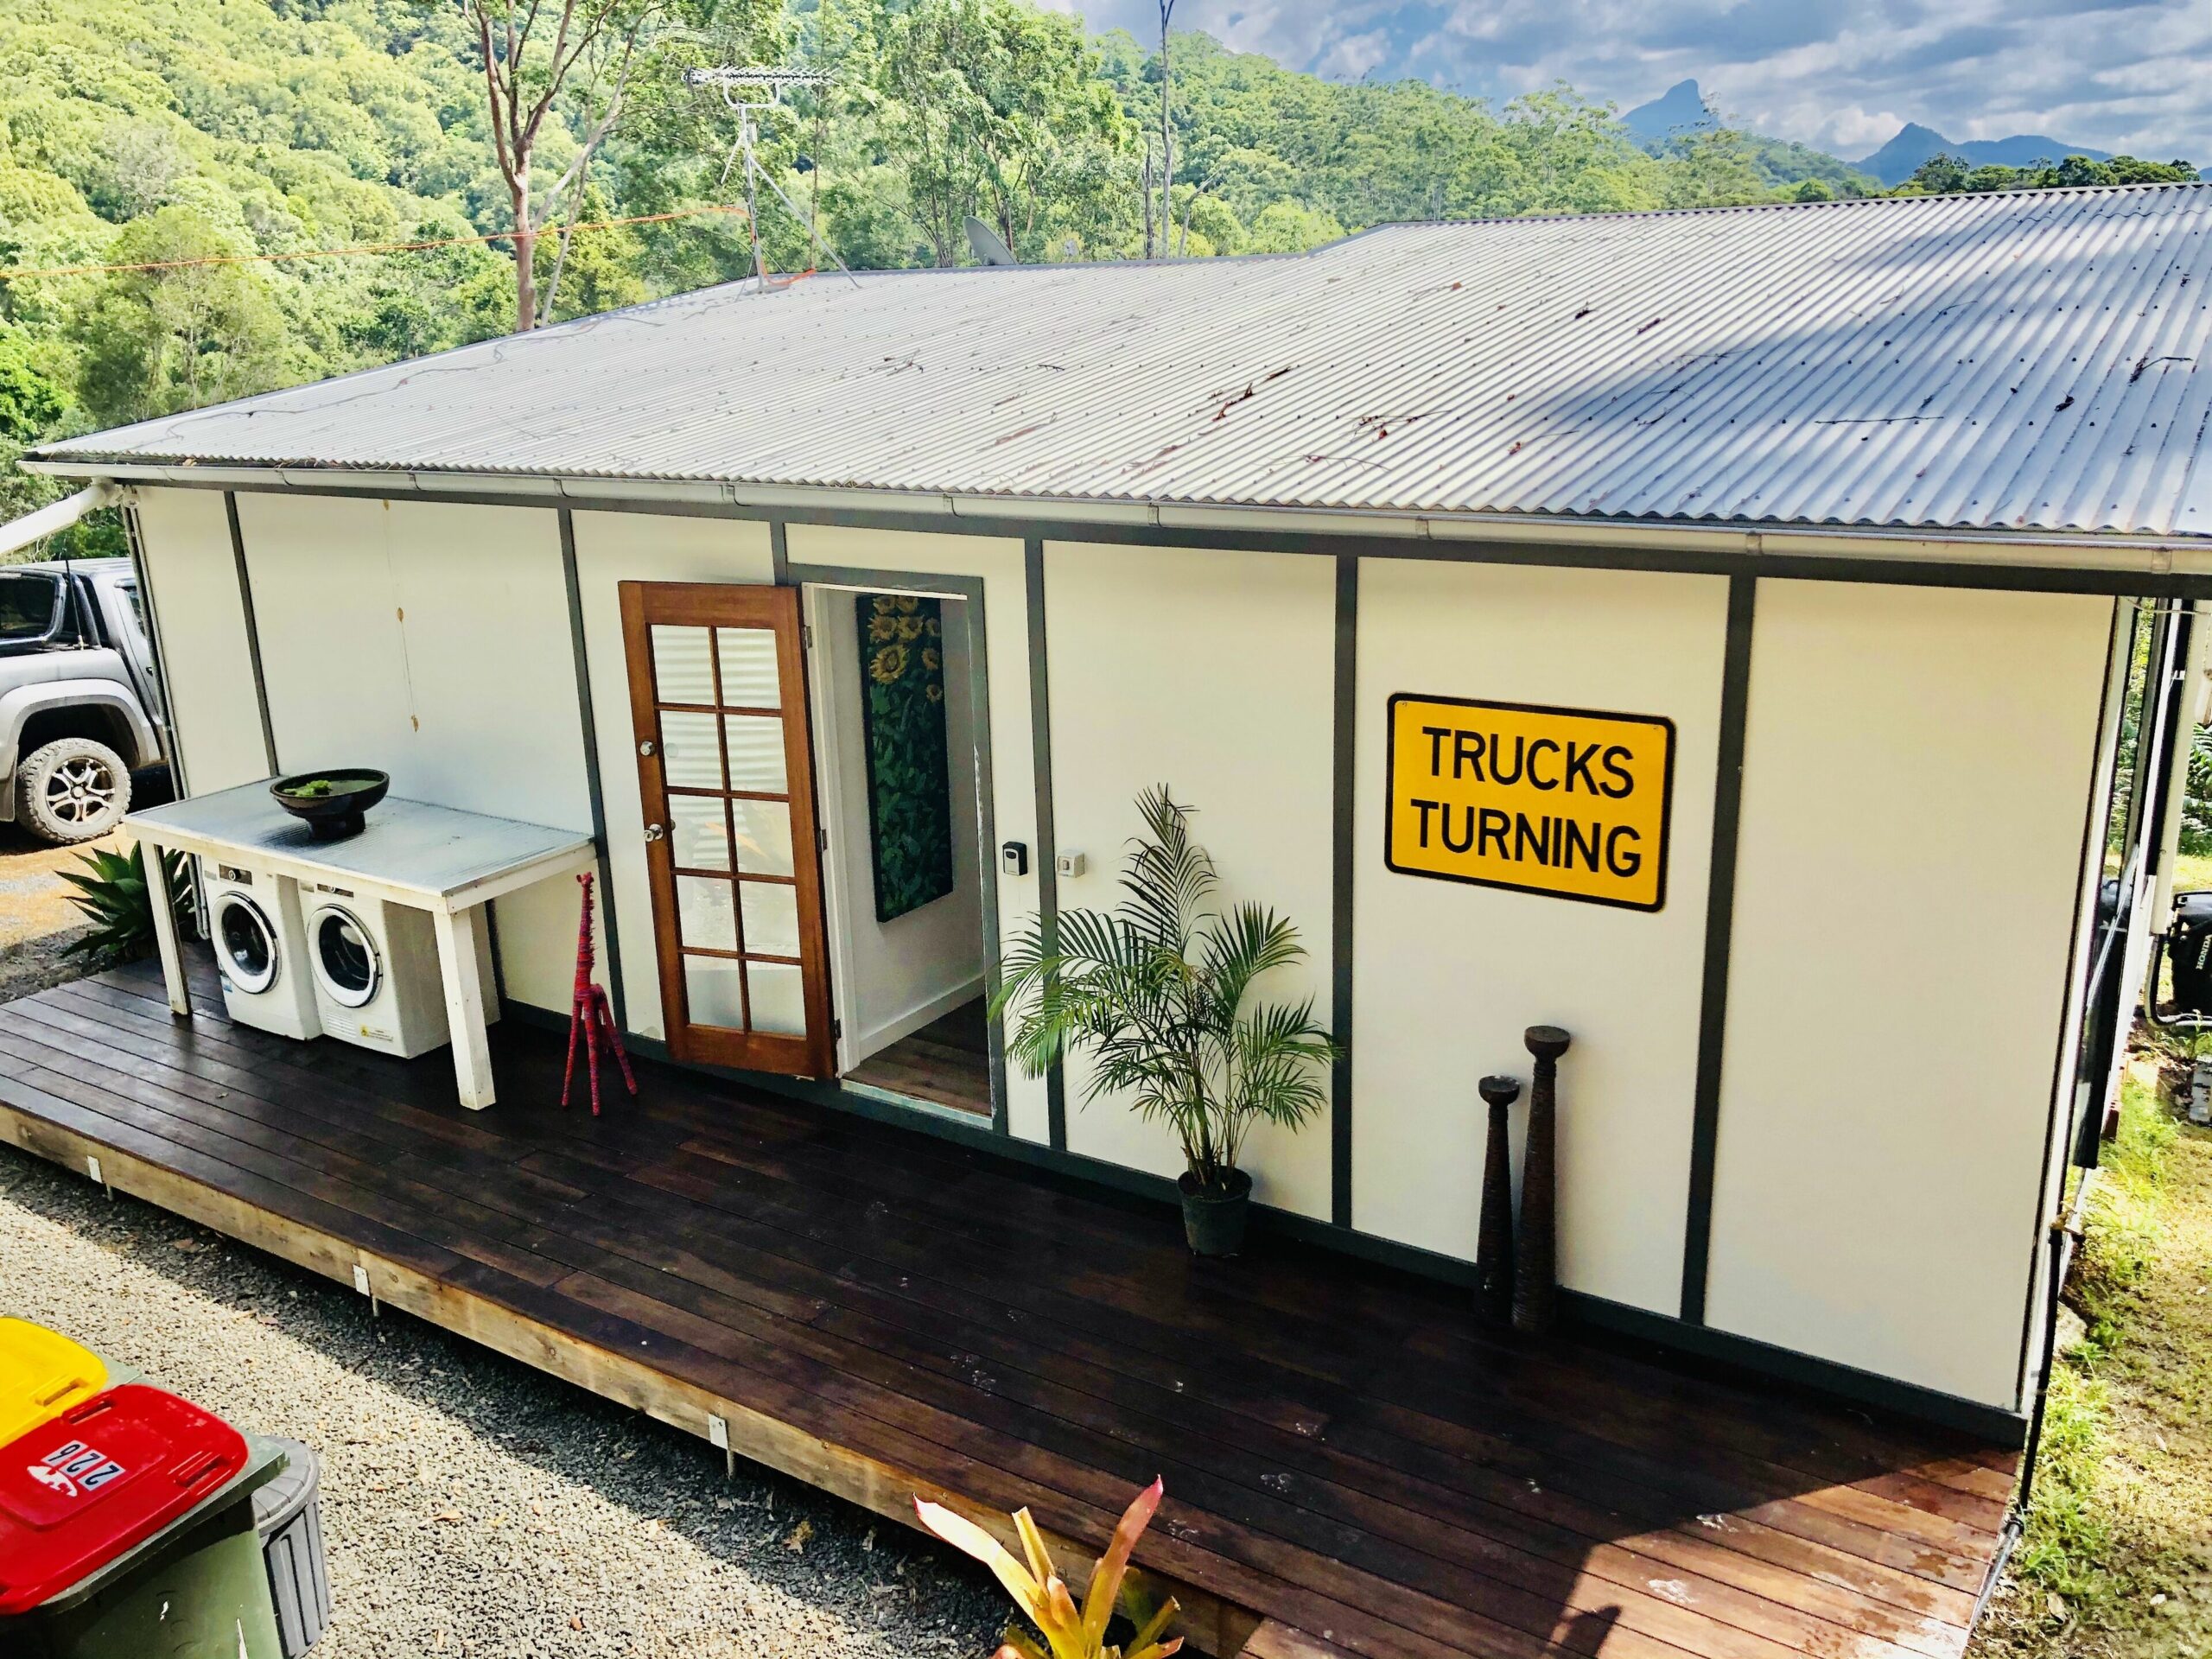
[[969, 591], [739, 605]]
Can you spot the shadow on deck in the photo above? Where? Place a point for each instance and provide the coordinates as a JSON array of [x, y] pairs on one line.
[[1352, 1464]]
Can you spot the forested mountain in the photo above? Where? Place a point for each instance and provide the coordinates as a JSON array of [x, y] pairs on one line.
[[144, 133]]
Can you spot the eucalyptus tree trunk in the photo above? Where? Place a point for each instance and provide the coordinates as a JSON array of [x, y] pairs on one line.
[[525, 252], [1166, 135]]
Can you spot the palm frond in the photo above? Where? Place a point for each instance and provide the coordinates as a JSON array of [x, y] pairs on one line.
[[1157, 993], [1251, 940]]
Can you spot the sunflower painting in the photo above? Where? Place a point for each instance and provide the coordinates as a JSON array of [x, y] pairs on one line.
[[909, 779]]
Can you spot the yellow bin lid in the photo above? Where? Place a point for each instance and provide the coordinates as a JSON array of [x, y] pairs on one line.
[[42, 1374]]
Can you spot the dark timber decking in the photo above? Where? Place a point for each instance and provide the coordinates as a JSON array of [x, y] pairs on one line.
[[1352, 1465]]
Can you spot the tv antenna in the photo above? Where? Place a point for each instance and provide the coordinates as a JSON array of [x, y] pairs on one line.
[[748, 92]]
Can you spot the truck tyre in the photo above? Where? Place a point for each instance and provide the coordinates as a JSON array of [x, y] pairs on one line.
[[72, 790]]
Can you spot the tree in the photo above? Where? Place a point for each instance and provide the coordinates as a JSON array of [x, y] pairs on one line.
[[994, 104], [594, 48], [157, 341], [30, 401], [1713, 167], [1290, 227]]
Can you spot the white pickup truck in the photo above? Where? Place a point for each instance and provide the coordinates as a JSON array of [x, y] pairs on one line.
[[79, 704]]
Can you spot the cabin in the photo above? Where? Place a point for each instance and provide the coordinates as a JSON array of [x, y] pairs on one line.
[[1761, 642]]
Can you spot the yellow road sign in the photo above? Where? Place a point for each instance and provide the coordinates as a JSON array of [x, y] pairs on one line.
[[1569, 802]]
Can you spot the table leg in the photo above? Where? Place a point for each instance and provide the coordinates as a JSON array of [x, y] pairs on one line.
[[157, 890], [471, 1053]]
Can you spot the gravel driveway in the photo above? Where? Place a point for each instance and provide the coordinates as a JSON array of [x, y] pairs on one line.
[[37, 922], [472, 1506]]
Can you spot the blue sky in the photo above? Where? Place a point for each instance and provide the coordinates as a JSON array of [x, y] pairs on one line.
[[1843, 74]]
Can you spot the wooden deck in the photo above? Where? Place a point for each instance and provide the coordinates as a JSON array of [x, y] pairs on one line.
[[1352, 1465]]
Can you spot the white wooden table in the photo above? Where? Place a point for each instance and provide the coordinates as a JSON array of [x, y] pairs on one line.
[[431, 858]]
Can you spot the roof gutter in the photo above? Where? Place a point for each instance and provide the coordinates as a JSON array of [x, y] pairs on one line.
[[2163, 555], [56, 516]]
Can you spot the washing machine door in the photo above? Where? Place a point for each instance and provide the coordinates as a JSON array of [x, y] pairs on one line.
[[345, 959], [246, 943]]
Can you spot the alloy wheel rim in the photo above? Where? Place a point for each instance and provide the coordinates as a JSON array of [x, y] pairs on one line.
[[80, 791]]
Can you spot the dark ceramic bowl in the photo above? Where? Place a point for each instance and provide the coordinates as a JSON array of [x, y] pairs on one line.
[[334, 815]]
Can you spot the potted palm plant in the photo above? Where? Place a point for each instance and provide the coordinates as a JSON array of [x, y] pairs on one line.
[[1159, 991]]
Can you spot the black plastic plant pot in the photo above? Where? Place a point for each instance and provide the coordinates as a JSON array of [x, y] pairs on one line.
[[1213, 1219], [331, 804]]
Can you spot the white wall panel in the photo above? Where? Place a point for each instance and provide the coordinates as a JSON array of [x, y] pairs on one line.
[[194, 572], [1447, 976], [431, 639], [612, 547], [1006, 656], [1210, 672], [1916, 765]]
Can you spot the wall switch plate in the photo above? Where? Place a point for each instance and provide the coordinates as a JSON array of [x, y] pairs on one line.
[[1070, 865], [1014, 859]]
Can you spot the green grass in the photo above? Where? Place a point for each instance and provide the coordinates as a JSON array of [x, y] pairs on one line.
[[2116, 1561], [2192, 870], [2068, 1541]]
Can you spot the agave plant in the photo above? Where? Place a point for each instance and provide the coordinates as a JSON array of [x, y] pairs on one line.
[[111, 891], [1069, 1631], [1158, 989]]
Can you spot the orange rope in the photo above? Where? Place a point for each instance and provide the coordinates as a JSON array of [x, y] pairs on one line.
[[12, 275]]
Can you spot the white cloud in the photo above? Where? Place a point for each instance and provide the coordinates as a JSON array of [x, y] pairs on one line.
[[1844, 75]]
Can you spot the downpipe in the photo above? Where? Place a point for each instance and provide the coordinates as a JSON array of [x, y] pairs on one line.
[[56, 516], [2065, 1240]]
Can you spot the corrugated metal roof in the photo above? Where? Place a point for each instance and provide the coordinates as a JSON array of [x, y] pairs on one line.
[[2039, 360]]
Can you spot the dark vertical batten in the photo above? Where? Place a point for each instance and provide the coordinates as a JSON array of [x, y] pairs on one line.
[[252, 632], [165, 727], [780, 552], [1345, 756], [590, 721], [1719, 921], [1041, 740]]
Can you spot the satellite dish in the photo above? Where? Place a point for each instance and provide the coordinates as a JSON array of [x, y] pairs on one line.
[[985, 242]]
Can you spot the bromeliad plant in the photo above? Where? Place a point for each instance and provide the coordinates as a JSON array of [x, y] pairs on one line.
[[1070, 1631], [111, 891], [1159, 991]]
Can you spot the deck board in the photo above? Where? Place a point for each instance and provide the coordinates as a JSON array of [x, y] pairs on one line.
[[1348, 1455]]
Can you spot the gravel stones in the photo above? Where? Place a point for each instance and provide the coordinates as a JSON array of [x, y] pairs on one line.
[[472, 1506]]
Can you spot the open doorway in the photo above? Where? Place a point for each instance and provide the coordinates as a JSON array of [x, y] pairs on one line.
[[896, 698]]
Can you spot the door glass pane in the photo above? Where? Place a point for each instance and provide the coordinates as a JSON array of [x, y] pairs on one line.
[[778, 998], [710, 987], [698, 835], [748, 668], [763, 837], [756, 752], [703, 906], [684, 671], [770, 917], [691, 756]]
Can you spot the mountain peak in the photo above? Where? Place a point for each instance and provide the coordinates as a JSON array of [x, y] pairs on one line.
[[1681, 108], [1894, 163]]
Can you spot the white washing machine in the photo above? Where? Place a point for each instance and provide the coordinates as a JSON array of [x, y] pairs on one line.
[[261, 950], [376, 975]]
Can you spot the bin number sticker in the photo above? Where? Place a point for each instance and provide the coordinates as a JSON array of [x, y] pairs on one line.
[[75, 1470], [1567, 801]]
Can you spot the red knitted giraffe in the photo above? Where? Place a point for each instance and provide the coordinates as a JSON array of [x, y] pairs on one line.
[[589, 1016]]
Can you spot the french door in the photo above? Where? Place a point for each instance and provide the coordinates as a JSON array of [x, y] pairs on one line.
[[726, 775]]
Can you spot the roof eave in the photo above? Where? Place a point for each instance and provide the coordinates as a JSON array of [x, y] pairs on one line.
[[2018, 547]]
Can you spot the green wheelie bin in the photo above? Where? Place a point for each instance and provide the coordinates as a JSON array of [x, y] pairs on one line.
[[127, 1532]]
